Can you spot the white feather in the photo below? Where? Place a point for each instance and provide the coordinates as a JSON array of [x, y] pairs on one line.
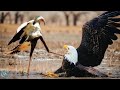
[[72, 55], [37, 25], [36, 32], [40, 17], [23, 25]]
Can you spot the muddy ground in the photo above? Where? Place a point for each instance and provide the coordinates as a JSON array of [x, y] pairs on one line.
[[15, 66]]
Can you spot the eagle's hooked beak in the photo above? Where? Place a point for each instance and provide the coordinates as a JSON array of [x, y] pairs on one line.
[[65, 47]]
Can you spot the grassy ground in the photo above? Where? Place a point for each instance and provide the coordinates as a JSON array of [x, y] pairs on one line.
[[55, 37]]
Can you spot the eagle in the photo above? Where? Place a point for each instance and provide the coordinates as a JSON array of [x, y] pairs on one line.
[[97, 35]]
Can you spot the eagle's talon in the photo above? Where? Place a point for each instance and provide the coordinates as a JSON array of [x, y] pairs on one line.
[[51, 74]]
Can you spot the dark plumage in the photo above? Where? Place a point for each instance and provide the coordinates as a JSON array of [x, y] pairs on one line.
[[17, 35], [97, 34]]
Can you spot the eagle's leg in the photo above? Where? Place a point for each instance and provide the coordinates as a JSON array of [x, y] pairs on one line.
[[59, 70], [57, 73]]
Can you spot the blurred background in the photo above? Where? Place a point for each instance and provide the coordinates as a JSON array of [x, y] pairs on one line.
[[52, 17]]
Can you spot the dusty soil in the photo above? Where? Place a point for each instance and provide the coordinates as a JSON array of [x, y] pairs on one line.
[[15, 66]]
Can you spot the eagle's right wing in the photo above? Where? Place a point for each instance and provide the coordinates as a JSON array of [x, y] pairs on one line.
[[98, 33]]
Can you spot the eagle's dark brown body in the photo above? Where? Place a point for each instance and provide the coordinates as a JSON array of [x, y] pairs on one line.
[[98, 33]]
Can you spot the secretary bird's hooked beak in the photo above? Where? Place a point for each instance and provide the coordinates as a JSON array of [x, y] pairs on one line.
[[41, 19]]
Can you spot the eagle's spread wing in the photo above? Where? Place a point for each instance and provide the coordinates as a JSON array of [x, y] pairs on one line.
[[97, 35]]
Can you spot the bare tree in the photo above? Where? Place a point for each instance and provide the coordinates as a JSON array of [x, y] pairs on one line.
[[76, 15], [18, 16], [3, 17], [67, 13], [21, 18]]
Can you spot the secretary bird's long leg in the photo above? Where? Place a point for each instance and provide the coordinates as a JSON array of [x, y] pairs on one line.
[[91, 70], [33, 44]]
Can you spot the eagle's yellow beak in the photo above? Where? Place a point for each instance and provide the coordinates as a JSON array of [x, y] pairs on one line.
[[65, 46]]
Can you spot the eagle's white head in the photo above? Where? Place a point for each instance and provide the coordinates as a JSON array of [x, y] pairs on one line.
[[71, 55]]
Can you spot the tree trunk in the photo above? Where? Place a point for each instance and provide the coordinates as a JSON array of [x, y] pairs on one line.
[[21, 18], [2, 18], [16, 17], [75, 19], [67, 18]]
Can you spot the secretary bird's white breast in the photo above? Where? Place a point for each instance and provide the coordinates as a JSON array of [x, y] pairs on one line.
[[37, 31]]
